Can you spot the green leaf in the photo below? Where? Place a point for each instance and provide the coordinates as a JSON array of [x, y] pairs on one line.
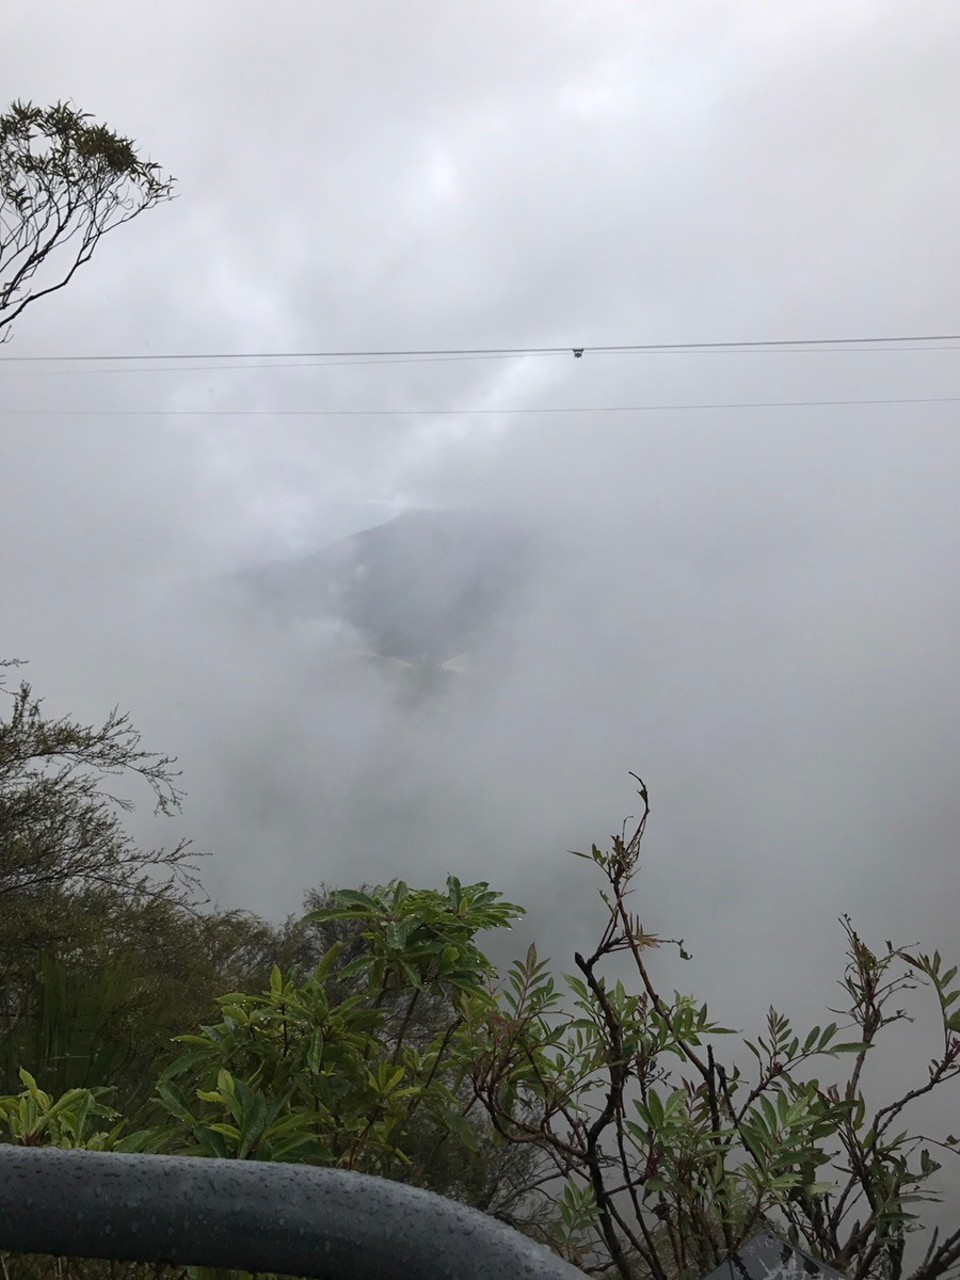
[[315, 1051], [355, 897], [454, 892], [254, 1123], [144, 1141], [212, 1142], [174, 1100], [464, 1131], [226, 1083], [754, 1145], [227, 1130], [676, 1104], [396, 933], [34, 1089], [769, 1112], [811, 1039], [323, 968], [785, 1182], [188, 1059]]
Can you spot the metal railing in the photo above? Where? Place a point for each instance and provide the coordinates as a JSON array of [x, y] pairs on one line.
[[255, 1216]]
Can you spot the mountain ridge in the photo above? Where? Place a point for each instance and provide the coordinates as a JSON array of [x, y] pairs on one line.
[[422, 587]]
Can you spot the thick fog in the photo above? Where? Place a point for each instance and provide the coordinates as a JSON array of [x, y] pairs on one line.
[[755, 607]]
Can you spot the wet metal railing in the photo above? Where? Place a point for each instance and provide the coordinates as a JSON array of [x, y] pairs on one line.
[[253, 1216]]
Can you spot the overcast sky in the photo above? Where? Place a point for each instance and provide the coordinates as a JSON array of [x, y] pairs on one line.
[[756, 608]]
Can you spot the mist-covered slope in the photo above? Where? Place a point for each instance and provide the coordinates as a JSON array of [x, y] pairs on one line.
[[422, 588]]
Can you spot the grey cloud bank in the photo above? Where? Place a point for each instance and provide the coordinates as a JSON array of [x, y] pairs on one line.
[[757, 609]]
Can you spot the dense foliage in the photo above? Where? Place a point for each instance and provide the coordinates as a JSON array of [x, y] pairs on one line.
[[590, 1110]]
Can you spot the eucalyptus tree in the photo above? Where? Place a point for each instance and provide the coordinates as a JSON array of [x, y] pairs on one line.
[[65, 182]]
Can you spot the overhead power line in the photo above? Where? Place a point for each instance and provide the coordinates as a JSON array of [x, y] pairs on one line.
[[464, 413], [439, 353], [255, 363]]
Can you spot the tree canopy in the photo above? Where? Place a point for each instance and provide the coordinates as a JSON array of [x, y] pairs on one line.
[[64, 183]]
